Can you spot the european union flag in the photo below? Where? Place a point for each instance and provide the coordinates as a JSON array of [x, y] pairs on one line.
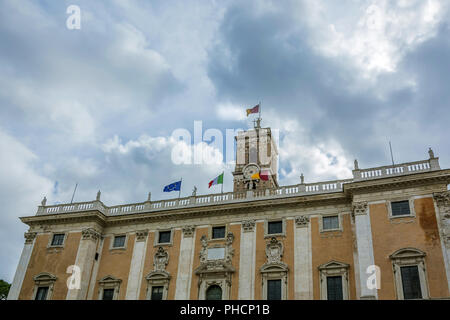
[[176, 186]]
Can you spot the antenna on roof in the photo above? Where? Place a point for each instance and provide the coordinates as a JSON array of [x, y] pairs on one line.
[[73, 195], [392, 157]]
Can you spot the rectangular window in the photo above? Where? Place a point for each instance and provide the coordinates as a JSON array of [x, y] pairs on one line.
[[275, 227], [330, 223], [411, 282], [41, 293], [157, 293], [334, 288], [119, 242], [108, 294], [58, 239], [400, 208], [218, 232], [273, 289], [164, 237]]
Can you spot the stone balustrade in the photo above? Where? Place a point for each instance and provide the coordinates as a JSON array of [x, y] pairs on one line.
[[230, 197], [395, 170]]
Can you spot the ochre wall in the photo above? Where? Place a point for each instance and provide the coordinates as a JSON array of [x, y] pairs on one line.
[[116, 263], [332, 245], [261, 259], [172, 266], [197, 247], [236, 230], [51, 260], [421, 233]]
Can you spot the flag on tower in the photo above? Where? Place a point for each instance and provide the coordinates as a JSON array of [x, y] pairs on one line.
[[216, 180], [255, 109], [264, 175]]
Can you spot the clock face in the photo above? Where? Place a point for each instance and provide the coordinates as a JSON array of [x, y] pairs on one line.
[[250, 170]]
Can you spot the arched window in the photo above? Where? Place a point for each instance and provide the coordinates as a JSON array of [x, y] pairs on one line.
[[214, 292]]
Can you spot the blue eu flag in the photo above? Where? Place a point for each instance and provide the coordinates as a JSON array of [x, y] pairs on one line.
[[176, 186]]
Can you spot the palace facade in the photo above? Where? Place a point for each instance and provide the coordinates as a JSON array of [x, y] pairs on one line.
[[382, 234]]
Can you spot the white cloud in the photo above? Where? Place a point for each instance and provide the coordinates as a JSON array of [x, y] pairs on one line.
[[229, 111], [375, 35], [318, 160], [21, 190]]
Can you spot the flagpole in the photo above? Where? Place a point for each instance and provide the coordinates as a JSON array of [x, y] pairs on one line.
[[222, 181], [260, 110], [179, 191]]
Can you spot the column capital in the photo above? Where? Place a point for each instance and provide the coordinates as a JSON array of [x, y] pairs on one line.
[[442, 198], [90, 234], [359, 208], [141, 235], [302, 221], [248, 226], [29, 237], [188, 231]]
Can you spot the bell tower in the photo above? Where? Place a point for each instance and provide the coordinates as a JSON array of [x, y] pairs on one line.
[[256, 159]]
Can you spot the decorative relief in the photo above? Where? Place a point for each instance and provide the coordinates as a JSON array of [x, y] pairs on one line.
[[274, 251], [90, 234], [229, 248], [161, 259], [188, 231], [141, 235], [217, 264], [248, 226], [215, 270], [302, 221], [29, 237], [204, 250]]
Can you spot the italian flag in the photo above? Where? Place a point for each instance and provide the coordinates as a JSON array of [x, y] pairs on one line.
[[217, 180]]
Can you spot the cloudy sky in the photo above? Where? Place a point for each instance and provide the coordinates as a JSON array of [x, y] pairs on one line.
[[98, 106]]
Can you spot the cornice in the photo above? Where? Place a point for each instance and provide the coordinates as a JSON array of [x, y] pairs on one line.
[[87, 216]]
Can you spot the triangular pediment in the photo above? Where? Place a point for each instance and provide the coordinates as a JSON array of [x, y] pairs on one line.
[[333, 264], [109, 279]]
